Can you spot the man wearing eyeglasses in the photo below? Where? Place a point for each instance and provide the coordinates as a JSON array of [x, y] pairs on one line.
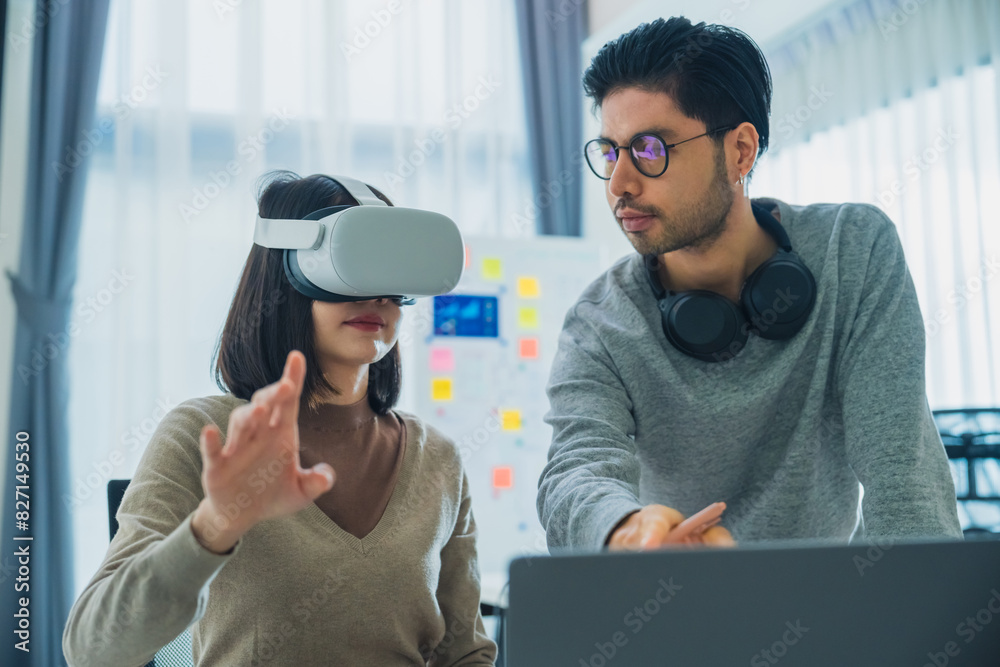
[[753, 353]]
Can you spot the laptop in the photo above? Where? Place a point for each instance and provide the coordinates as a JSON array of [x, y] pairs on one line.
[[912, 603]]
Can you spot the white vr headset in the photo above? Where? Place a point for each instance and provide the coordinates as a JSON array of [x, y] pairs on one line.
[[370, 251]]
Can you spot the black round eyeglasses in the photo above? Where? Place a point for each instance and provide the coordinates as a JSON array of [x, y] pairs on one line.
[[647, 150]]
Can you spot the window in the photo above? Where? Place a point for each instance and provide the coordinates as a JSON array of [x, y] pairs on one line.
[[196, 100]]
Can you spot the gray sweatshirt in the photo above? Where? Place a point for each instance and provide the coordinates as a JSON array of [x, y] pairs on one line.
[[786, 432]]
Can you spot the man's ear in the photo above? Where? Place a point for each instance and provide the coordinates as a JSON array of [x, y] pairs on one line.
[[745, 142]]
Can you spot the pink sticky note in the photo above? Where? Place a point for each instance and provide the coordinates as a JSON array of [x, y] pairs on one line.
[[442, 359]]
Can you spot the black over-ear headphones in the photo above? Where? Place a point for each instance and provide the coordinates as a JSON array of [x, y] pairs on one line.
[[775, 301]]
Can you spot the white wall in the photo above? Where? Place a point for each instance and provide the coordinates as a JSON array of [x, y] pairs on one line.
[[602, 12], [766, 21], [13, 164]]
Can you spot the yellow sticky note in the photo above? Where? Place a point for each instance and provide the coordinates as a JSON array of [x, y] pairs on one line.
[[527, 318], [527, 287], [510, 420], [441, 389], [492, 268]]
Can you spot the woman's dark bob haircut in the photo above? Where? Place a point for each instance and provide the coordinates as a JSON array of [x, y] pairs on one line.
[[269, 318], [714, 73]]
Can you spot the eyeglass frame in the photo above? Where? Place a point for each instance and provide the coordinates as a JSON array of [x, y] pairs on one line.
[[635, 162]]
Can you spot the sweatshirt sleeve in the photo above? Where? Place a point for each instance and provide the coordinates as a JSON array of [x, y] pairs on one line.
[[154, 581], [591, 480], [892, 443], [465, 641]]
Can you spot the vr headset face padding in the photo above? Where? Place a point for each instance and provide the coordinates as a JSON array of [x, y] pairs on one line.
[[294, 273], [775, 302]]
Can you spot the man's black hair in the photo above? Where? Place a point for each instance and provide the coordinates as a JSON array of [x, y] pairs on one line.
[[714, 73]]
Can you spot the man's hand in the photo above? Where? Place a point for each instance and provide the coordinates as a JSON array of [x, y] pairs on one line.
[[656, 526]]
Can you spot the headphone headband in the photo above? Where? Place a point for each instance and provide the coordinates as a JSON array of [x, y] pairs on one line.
[[771, 225]]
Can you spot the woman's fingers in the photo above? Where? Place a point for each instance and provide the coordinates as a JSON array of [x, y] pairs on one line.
[[282, 397], [269, 419], [234, 429], [272, 393], [317, 480], [281, 402], [211, 442], [259, 433], [244, 423], [295, 372]]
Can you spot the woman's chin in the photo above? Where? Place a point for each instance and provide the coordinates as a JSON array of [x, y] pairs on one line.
[[360, 356]]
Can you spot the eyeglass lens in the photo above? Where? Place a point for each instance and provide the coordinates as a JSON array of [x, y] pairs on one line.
[[648, 153]]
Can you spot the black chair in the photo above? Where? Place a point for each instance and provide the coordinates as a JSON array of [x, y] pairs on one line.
[[501, 635], [178, 653], [971, 439]]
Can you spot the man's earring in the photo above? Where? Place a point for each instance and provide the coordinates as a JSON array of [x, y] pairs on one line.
[[741, 179]]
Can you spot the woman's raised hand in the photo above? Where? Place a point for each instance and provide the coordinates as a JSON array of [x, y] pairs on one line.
[[256, 475]]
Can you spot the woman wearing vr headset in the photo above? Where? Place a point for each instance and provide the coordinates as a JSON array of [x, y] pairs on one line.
[[298, 518]]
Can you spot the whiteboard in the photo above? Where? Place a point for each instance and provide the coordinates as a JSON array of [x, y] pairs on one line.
[[476, 363]]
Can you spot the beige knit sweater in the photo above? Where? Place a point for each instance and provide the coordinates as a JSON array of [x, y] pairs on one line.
[[297, 590]]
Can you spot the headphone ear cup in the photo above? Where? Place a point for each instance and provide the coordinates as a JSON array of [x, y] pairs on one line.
[[703, 324], [779, 296]]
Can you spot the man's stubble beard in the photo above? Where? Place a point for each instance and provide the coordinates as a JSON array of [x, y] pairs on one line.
[[695, 227]]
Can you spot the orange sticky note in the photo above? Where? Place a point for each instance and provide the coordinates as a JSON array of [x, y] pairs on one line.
[[528, 348], [503, 477], [441, 389]]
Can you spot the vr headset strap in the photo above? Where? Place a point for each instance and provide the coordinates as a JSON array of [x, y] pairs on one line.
[[292, 234], [359, 191], [307, 234]]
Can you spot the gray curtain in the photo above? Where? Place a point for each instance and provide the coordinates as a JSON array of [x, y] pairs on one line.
[[551, 33], [69, 40], [3, 32]]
